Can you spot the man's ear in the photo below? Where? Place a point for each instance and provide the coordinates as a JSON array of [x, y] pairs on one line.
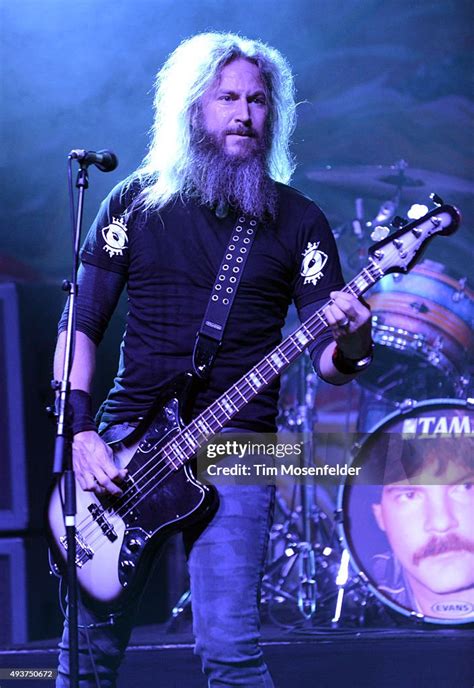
[[377, 512]]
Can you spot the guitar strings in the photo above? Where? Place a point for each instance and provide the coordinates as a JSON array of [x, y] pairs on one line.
[[156, 468]]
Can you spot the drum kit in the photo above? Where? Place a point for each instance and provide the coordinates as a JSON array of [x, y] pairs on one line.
[[336, 555]]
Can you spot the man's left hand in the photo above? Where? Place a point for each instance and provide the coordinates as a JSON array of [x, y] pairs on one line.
[[351, 324]]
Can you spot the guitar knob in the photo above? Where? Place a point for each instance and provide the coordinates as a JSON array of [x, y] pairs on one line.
[[134, 545]]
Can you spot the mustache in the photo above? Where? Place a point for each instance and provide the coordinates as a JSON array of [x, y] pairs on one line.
[[242, 131], [435, 546]]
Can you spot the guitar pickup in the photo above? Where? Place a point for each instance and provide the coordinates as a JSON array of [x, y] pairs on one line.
[[128, 501], [131, 492], [99, 516]]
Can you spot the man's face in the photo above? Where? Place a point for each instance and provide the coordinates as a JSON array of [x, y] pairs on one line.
[[235, 108], [429, 527]]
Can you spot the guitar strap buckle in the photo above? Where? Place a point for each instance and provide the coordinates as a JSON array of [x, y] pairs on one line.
[[205, 351]]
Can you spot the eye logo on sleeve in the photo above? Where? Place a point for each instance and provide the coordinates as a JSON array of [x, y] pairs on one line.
[[312, 264], [115, 237]]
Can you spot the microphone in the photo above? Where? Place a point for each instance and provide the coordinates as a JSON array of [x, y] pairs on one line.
[[104, 160]]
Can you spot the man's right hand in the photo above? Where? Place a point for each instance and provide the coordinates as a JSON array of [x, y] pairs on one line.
[[94, 465]]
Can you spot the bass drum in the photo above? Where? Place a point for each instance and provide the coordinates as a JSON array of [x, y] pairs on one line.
[[406, 514], [422, 324]]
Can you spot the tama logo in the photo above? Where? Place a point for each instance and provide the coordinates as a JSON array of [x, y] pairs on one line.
[[459, 608], [437, 425]]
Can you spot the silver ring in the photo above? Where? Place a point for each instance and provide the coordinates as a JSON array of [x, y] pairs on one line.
[[344, 323]]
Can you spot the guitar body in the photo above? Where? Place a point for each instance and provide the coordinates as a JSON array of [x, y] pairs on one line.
[[117, 537]]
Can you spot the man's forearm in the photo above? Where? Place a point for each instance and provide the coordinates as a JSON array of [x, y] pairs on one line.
[[83, 366]]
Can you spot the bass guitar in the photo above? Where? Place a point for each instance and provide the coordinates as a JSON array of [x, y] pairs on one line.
[[117, 536]]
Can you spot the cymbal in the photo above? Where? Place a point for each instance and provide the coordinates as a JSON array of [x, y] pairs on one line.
[[383, 180]]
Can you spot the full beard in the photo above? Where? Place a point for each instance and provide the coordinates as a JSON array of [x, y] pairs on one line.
[[220, 180]]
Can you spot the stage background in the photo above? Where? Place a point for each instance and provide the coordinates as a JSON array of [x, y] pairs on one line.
[[378, 81]]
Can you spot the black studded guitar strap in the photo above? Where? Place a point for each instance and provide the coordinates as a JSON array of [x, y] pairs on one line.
[[211, 332]]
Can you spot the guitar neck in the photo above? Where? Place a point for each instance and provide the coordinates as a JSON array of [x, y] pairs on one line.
[[397, 252], [218, 414]]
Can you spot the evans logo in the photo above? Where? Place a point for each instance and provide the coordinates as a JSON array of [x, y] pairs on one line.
[[453, 608]]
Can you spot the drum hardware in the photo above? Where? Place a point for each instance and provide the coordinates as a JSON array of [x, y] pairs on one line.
[[419, 307], [295, 565], [183, 602], [386, 213], [423, 325], [397, 337], [358, 226], [434, 355], [357, 222], [460, 293], [307, 590], [283, 593], [407, 404], [342, 577], [304, 562], [341, 581], [302, 548], [300, 557]]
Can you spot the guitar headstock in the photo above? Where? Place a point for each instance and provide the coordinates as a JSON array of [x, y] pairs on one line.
[[399, 251]]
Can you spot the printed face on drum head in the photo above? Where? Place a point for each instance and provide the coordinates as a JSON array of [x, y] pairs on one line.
[[429, 526]]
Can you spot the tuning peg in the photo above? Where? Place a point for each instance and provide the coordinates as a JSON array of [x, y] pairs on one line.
[[399, 222], [379, 233], [437, 200]]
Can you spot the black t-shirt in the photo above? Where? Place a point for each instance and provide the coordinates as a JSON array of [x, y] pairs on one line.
[[169, 261]]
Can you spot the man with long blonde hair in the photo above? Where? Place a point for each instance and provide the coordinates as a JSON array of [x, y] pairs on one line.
[[224, 114]]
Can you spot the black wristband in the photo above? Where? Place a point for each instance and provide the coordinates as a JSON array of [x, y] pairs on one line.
[[80, 404], [351, 366]]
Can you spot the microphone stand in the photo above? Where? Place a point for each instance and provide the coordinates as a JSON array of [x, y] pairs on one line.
[[63, 445], [307, 588]]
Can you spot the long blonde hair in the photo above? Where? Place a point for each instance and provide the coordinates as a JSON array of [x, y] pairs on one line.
[[180, 84]]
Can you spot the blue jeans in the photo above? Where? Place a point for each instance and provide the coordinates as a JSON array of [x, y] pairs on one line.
[[226, 560]]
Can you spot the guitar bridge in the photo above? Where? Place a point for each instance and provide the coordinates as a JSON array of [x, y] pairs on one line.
[[83, 551], [99, 516]]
